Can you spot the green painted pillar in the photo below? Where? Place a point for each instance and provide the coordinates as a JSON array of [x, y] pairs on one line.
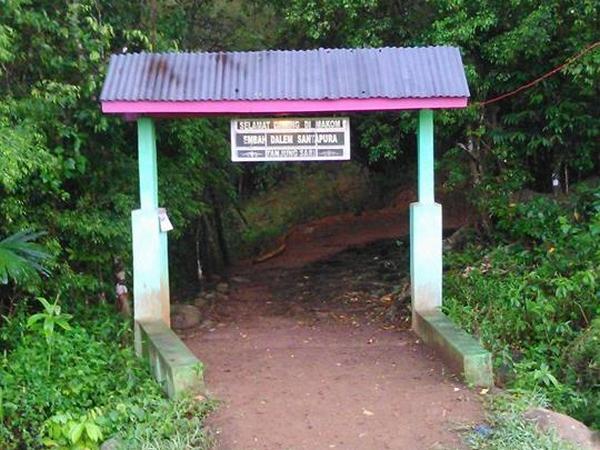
[[147, 163], [426, 226], [150, 258], [426, 183]]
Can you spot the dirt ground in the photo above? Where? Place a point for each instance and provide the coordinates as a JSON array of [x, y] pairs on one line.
[[301, 355]]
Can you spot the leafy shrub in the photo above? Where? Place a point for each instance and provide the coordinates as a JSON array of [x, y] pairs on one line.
[[65, 431], [93, 388], [533, 296], [583, 356]]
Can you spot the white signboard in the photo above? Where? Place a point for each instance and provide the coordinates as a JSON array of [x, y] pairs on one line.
[[290, 139]]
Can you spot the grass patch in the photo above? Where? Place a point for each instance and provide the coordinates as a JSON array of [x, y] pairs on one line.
[[508, 430], [176, 425]]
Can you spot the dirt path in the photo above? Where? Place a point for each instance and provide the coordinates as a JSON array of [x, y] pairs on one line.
[[301, 357]]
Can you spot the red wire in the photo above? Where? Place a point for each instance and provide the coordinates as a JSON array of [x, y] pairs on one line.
[[570, 60]]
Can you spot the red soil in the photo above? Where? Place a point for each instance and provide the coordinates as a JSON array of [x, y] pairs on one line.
[[298, 374]]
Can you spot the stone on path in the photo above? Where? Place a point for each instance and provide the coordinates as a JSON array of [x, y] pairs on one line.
[[184, 316], [568, 429], [240, 280], [112, 444], [222, 288]]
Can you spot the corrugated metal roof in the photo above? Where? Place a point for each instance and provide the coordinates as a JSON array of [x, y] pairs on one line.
[[323, 74]]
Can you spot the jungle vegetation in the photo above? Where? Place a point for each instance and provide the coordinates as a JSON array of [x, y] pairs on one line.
[[68, 184]]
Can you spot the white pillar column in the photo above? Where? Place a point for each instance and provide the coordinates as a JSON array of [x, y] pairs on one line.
[[425, 226]]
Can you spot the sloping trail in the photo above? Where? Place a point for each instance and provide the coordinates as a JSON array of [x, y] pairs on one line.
[[300, 358]]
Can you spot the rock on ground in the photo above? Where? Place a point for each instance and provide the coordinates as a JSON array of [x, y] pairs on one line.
[[112, 444], [184, 316], [566, 428], [222, 288]]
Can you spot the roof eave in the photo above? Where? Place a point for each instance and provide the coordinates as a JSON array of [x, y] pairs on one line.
[[254, 107]]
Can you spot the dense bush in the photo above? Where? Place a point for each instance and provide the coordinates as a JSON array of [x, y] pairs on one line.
[[533, 297], [77, 386], [68, 169]]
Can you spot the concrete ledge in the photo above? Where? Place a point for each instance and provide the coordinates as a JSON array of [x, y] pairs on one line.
[[458, 349], [171, 362]]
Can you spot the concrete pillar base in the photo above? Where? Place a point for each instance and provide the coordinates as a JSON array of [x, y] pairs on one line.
[[172, 363], [150, 269], [459, 350], [426, 256]]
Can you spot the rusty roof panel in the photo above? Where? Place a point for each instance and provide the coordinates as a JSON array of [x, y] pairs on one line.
[[419, 72]]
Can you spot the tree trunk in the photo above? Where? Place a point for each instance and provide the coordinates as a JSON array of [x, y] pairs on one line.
[[219, 227]]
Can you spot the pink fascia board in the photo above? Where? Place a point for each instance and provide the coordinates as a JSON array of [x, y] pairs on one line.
[[253, 107]]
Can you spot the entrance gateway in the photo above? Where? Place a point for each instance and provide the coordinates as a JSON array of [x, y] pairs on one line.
[[286, 106]]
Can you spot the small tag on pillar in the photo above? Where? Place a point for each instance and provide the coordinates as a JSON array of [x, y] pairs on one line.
[[163, 220]]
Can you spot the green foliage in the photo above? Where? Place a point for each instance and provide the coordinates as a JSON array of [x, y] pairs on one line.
[[544, 129], [55, 142], [95, 387], [583, 356], [22, 152], [501, 147], [51, 317], [20, 258], [533, 297], [353, 23], [69, 169], [46, 322], [66, 432]]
